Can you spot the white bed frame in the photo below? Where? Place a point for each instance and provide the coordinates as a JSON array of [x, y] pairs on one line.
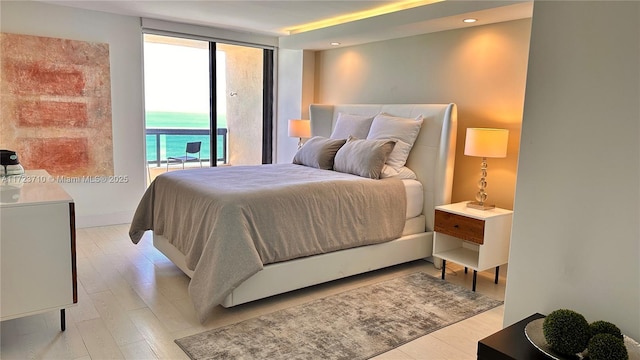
[[432, 159]]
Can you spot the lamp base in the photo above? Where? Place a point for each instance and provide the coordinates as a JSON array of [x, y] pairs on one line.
[[480, 206]]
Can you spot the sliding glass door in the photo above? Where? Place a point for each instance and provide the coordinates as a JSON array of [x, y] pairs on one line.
[[177, 92], [214, 93]]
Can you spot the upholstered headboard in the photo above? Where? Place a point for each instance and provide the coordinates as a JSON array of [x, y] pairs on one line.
[[433, 154]]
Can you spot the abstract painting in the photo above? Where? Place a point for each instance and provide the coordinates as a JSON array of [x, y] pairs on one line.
[[55, 104]]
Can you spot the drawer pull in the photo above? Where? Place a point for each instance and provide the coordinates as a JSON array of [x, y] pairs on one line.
[[456, 226]]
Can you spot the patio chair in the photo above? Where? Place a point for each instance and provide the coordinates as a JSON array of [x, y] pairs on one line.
[[192, 148]]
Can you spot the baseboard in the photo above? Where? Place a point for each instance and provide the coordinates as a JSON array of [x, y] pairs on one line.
[[85, 221]]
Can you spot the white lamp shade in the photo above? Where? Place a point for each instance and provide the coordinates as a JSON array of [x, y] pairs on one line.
[[486, 142], [300, 128]]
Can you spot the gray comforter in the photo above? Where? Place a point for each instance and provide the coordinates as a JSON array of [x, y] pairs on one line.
[[230, 221]]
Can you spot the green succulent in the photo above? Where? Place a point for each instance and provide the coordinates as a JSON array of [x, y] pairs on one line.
[[605, 327], [566, 331], [607, 347]]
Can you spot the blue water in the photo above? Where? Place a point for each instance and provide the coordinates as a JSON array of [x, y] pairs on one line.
[[175, 145]]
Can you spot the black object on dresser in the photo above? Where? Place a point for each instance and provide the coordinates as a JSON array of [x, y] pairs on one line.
[[510, 343]]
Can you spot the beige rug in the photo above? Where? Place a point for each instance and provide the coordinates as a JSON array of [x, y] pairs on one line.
[[356, 324]]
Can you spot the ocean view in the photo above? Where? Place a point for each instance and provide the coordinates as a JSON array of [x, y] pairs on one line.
[[174, 145]]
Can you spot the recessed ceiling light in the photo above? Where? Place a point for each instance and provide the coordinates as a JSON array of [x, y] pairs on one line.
[[469, 20], [335, 43]]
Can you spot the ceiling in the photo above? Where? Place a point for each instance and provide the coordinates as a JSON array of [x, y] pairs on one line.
[[281, 18]]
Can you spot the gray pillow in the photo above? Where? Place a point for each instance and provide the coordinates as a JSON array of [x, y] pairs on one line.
[[318, 152], [363, 157]]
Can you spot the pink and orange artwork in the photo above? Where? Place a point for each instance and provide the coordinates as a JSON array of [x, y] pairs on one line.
[[55, 104]]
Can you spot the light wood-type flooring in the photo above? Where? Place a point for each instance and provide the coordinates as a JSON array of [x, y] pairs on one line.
[[133, 303]]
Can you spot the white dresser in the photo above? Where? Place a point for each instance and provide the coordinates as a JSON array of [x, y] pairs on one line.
[[37, 246]]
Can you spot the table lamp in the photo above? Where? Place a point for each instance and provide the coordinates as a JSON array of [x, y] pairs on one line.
[[300, 129], [485, 143]]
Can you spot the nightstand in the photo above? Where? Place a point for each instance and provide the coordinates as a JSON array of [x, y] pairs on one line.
[[476, 239]]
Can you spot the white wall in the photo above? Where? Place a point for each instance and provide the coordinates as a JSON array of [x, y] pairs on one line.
[[296, 84], [576, 235], [289, 101], [99, 204]]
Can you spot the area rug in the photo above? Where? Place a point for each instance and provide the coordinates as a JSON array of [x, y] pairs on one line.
[[356, 324]]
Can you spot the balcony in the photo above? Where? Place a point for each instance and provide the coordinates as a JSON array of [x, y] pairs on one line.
[[166, 142]]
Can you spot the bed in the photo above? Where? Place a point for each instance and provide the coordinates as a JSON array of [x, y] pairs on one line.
[[400, 238]]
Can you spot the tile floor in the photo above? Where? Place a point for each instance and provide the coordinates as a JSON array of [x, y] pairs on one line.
[[133, 303]]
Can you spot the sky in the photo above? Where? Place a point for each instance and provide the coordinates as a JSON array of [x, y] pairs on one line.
[[176, 78]]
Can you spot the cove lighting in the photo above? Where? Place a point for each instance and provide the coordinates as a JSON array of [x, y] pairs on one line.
[[386, 9]]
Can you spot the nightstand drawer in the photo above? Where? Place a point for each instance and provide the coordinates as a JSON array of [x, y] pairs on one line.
[[462, 227]]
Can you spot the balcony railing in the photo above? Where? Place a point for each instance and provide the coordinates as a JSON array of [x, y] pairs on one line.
[[221, 137]]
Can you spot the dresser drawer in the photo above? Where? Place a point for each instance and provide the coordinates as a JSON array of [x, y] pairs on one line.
[[462, 227]]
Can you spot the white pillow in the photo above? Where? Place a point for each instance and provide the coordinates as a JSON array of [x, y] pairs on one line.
[[403, 130], [404, 173], [351, 125]]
